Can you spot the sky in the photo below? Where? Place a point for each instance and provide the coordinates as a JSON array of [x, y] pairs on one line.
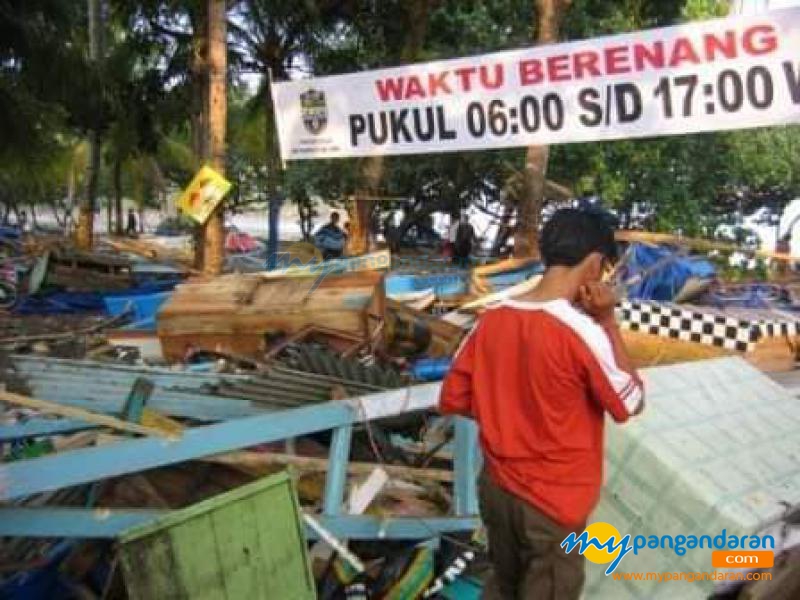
[[752, 7]]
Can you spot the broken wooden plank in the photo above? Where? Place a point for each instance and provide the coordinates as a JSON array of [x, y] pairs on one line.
[[310, 463], [71, 412]]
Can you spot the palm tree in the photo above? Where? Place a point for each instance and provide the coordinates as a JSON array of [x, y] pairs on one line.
[[214, 242], [529, 204], [84, 237]]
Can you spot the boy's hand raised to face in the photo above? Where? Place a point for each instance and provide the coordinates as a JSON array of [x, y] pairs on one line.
[[597, 299]]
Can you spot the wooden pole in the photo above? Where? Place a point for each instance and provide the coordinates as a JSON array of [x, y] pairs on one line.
[[309, 463], [214, 242]]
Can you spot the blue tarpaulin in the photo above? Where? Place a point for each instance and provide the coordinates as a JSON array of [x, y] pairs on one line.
[[660, 272], [751, 295], [7, 232], [143, 307], [61, 303]]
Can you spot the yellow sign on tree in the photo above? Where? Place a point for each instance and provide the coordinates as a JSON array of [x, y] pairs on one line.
[[203, 194]]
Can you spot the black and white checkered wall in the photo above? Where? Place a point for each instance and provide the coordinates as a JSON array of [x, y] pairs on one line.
[[702, 325]]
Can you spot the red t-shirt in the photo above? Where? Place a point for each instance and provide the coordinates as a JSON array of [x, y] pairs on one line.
[[538, 377]]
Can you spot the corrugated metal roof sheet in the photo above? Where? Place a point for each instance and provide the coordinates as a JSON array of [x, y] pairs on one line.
[[103, 387]]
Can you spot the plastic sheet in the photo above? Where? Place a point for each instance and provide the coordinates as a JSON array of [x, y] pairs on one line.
[[659, 272], [63, 303]]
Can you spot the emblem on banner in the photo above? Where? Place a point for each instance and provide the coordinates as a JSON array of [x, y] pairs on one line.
[[315, 111]]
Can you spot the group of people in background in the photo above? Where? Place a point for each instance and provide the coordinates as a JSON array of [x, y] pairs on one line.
[[331, 239]]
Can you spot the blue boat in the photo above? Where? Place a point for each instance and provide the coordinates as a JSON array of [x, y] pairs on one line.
[[452, 283], [445, 284], [513, 275]]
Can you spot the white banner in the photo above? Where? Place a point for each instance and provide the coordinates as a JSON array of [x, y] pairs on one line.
[[714, 75]]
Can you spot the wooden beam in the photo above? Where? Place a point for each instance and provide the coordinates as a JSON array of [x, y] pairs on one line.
[[310, 463], [50, 522], [648, 237], [336, 479], [72, 412], [27, 477], [71, 522]]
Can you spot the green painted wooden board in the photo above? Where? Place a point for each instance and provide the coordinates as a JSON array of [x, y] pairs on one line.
[[248, 543]]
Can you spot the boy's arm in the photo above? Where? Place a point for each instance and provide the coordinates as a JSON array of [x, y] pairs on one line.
[[615, 384], [456, 394], [623, 359]]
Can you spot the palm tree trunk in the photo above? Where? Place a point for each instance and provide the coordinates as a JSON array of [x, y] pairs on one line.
[[214, 248], [373, 167], [199, 116], [274, 173], [531, 200], [85, 233], [371, 177]]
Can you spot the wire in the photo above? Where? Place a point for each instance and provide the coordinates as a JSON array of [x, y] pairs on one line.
[[359, 405]]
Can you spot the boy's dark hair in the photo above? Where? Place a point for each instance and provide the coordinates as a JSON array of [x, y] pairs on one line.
[[571, 235]]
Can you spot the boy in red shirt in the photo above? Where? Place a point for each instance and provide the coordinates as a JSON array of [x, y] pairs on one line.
[[538, 373]]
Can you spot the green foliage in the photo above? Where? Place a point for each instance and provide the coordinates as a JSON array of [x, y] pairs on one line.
[[704, 9], [141, 94]]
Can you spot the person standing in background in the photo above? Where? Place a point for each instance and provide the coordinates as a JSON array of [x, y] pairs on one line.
[[23, 222], [464, 238], [130, 228], [330, 239], [450, 239]]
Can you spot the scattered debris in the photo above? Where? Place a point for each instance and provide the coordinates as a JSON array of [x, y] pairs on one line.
[[155, 410]]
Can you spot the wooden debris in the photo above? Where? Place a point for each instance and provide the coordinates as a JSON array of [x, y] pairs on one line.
[[335, 544], [71, 412], [338, 340], [155, 420], [421, 332], [47, 337], [153, 250], [84, 271], [74, 441], [234, 313], [262, 460]]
